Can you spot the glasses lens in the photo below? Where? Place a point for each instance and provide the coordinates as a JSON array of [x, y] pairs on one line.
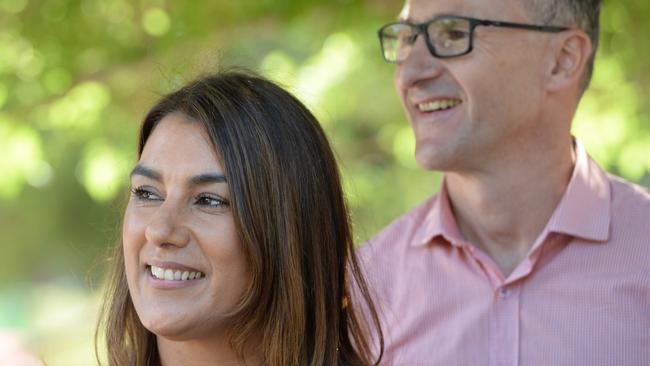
[[450, 36], [396, 41]]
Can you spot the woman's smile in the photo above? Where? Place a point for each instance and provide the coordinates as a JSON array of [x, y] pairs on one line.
[[173, 277]]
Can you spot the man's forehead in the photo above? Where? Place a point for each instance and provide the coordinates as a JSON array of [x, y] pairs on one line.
[[417, 11]]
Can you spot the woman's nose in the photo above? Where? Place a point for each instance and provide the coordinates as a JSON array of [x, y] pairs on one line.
[[168, 226]]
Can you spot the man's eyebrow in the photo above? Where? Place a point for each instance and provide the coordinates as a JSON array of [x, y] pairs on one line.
[[146, 172]]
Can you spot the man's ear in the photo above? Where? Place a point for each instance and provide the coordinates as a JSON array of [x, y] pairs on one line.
[[571, 50]]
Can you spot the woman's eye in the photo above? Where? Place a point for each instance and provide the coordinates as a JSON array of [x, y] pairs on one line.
[[144, 194], [211, 201]]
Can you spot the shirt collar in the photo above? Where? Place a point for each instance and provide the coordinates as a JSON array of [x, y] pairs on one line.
[[583, 211], [439, 222]]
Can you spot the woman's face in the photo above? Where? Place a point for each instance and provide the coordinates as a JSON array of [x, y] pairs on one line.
[[185, 266]]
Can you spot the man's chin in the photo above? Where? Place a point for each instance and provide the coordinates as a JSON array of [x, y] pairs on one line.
[[434, 159]]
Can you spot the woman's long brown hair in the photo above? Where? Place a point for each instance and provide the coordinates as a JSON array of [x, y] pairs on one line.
[[290, 212]]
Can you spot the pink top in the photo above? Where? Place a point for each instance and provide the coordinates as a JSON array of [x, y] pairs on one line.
[[580, 297]]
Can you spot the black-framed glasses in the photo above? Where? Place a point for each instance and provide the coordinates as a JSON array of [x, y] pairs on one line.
[[446, 36]]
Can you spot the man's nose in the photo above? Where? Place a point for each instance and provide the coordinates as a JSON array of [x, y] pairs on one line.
[[419, 64], [168, 226]]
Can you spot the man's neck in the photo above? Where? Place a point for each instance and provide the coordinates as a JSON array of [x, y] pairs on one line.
[[503, 209]]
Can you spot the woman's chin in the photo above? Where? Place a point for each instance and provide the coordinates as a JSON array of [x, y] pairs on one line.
[[179, 329], [169, 329]]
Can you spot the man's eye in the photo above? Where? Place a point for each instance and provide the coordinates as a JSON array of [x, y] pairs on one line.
[[144, 194], [406, 36], [211, 201], [455, 34]]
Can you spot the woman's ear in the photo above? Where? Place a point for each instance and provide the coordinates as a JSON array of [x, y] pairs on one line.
[[571, 51]]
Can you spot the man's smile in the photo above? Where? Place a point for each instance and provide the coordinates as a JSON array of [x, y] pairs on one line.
[[438, 105]]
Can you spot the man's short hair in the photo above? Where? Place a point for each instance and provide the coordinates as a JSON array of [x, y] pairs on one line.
[[583, 14]]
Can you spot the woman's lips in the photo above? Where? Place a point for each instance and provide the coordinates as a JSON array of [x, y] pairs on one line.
[[171, 274]]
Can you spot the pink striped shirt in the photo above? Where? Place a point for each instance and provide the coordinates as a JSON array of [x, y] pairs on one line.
[[580, 297]]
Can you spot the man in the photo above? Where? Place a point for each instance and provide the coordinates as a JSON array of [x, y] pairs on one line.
[[529, 254]]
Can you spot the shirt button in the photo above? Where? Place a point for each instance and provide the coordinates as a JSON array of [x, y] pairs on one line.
[[504, 292]]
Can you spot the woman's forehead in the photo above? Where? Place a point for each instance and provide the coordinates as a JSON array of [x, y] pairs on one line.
[[178, 143]]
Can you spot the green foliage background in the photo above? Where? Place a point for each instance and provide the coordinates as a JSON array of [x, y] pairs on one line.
[[76, 77]]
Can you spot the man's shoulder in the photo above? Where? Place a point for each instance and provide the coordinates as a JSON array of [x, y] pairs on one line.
[[383, 257], [630, 208], [400, 231], [629, 198], [629, 192]]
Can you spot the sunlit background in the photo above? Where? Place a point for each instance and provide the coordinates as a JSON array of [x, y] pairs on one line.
[[77, 76]]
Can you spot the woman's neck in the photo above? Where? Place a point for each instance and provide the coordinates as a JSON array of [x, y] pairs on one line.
[[202, 352]]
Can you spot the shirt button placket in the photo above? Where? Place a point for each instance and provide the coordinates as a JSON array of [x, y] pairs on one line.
[[504, 326]]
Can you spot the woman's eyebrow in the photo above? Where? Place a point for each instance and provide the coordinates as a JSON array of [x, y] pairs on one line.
[[201, 179], [207, 178], [146, 172]]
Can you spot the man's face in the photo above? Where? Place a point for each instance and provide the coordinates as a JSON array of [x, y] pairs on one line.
[[470, 111]]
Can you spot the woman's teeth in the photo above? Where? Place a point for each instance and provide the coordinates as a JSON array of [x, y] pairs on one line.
[[171, 275], [438, 105]]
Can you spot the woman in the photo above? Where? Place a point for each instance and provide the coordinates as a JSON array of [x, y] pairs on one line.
[[236, 246]]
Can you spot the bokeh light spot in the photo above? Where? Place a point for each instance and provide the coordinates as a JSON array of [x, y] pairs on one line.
[[607, 117], [404, 147], [39, 174], [102, 171], [634, 160], [156, 22], [32, 67], [337, 58], [57, 80], [21, 154], [81, 107], [13, 6], [278, 66]]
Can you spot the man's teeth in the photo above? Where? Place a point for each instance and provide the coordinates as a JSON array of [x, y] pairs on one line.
[[438, 105], [172, 275]]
